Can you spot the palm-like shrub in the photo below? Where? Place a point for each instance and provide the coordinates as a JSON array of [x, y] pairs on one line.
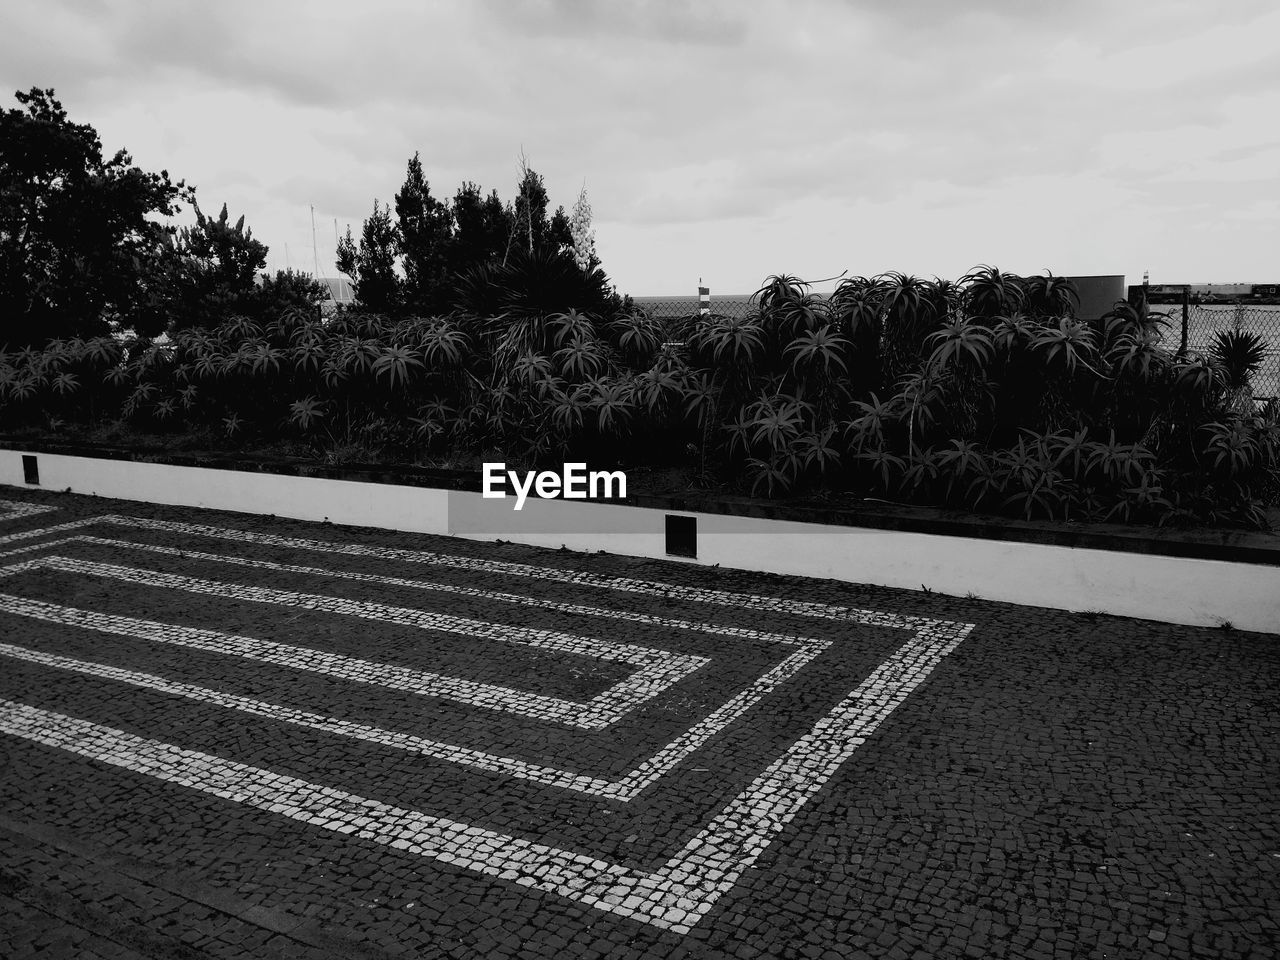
[[857, 307], [911, 312], [962, 360], [990, 293], [638, 337], [1049, 297], [539, 283], [895, 387], [1240, 354], [786, 309]]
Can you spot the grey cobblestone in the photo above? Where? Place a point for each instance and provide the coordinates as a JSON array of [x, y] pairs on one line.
[[916, 776]]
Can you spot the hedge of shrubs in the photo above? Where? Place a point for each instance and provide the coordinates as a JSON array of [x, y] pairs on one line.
[[984, 393]]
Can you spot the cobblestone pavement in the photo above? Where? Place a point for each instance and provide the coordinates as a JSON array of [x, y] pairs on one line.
[[230, 736]]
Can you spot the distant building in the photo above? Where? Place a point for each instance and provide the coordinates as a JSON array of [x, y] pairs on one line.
[[1165, 293], [340, 294], [1098, 294]]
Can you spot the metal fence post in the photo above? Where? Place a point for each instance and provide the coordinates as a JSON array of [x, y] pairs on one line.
[[1186, 306]]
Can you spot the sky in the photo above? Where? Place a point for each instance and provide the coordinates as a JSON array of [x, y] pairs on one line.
[[726, 141]]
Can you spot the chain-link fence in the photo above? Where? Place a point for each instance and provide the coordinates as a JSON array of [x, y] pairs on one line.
[[1205, 320], [678, 308]]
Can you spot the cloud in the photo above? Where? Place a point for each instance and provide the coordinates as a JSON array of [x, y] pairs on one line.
[[675, 22], [732, 135]]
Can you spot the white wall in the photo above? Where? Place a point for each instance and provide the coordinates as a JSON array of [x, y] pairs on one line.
[[1171, 589], [305, 498]]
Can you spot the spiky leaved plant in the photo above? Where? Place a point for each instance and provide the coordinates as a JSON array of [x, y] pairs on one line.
[[910, 315], [786, 309], [990, 293], [1050, 297], [1240, 354], [857, 306]]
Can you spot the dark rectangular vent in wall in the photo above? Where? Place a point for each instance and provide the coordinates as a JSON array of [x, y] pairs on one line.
[[30, 469], [682, 536]]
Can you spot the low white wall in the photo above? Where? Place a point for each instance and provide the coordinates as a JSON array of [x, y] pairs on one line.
[[304, 498], [1170, 589]]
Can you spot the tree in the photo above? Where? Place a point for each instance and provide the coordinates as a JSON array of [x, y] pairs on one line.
[[371, 267], [560, 231], [530, 230], [215, 274], [481, 228], [76, 241], [286, 290], [425, 236]]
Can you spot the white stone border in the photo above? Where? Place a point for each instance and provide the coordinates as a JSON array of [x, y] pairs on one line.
[[581, 578], [624, 788], [674, 897], [659, 669], [435, 586], [17, 509]]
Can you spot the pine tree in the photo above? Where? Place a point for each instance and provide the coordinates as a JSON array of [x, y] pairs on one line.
[[560, 231], [371, 267], [425, 234], [481, 228]]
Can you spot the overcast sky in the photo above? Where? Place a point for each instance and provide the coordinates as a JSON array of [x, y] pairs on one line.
[[724, 140]]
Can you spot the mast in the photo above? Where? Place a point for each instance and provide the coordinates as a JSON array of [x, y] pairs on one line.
[[315, 259]]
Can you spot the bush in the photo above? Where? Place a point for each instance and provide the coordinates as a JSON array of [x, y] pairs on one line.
[[894, 387]]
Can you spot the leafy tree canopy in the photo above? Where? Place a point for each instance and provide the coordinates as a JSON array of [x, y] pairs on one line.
[[450, 253], [286, 290], [207, 274], [75, 233]]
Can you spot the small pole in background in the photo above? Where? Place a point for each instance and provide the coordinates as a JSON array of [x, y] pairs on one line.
[[315, 257], [704, 299]]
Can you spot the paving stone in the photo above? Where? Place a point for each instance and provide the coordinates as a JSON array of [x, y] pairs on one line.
[[256, 737]]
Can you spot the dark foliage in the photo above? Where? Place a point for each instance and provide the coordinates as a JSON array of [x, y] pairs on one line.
[[425, 235], [209, 273], [372, 265], [75, 238], [481, 228], [544, 282]]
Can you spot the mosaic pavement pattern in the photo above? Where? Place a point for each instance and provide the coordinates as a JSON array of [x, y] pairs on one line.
[[235, 736]]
